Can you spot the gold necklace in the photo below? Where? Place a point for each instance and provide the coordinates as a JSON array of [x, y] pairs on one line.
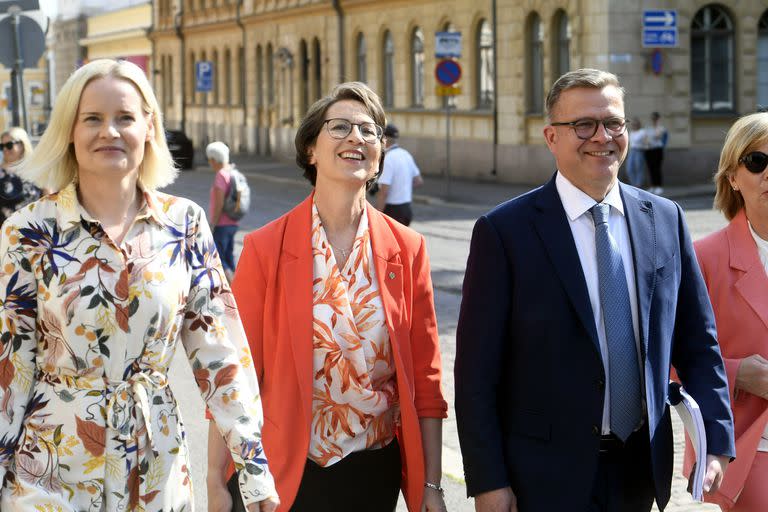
[[342, 251]]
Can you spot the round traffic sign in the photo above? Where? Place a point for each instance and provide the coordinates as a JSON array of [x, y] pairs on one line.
[[448, 72], [31, 38]]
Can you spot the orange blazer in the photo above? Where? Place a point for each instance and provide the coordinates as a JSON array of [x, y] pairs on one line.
[[738, 287], [273, 289]]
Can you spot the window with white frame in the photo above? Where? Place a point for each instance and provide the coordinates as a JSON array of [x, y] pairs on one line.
[[561, 52], [712, 61], [362, 65], [417, 68], [485, 70], [534, 57], [389, 69]]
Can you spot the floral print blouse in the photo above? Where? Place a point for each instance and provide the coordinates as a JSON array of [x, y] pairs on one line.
[[355, 402], [88, 331]]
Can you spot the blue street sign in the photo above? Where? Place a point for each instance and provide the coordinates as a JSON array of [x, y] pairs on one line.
[[447, 72], [203, 76], [660, 28]]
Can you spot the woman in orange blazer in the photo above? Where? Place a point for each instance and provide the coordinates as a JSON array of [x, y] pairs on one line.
[[337, 303], [734, 261]]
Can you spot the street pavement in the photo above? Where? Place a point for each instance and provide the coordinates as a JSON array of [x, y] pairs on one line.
[[445, 214]]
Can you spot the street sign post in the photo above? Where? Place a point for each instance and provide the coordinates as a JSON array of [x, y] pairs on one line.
[[447, 74], [447, 45], [660, 28]]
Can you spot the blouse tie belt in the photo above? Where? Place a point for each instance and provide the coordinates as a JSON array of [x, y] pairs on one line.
[[128, 409]]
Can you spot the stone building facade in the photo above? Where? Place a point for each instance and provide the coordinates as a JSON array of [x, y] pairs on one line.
[[272, 58]]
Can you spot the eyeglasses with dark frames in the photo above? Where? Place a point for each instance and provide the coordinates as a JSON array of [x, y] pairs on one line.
[[9, 145], [586, 128], [755, 162], [339, 128]]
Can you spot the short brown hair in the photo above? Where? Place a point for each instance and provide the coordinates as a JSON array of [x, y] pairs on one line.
[[585, 77], [746, 135], [310, 127]]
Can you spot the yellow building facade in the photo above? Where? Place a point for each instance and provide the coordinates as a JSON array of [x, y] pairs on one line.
[[120, 34], [272, 58]]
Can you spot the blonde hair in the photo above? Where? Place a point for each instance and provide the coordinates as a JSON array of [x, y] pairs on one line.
[[20, 134], [54, 164], [746, 135]]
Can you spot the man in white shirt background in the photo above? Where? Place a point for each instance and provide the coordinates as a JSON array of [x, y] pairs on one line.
[[397, 180]]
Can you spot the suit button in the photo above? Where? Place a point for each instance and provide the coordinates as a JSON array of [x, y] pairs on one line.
[[596, 430]]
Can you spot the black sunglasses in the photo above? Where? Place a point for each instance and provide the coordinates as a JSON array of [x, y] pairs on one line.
[[9, 145], [755, 162]]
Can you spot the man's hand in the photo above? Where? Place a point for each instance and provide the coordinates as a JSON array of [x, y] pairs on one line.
[[267, 505], [716, 465], [752, 376], [219, 499], [499, 500]]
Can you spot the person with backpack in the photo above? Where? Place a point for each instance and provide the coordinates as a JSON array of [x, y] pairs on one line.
[[228, 203]]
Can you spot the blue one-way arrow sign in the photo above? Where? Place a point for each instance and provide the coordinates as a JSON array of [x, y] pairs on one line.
[[660, 28]]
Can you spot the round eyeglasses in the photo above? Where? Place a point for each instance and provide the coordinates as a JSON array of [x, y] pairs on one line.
[[586, 128], [340, 128], [755, 162]]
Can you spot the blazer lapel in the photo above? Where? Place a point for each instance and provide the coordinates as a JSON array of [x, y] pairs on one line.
[[389, 275], [753, 283], [552, 226], [642, 234], [296, 270]]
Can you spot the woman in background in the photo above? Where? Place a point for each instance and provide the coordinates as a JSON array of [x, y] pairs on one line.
[[15, 191]]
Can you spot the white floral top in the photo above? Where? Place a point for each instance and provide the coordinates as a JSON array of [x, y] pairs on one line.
[[87, 420], [355, 402]]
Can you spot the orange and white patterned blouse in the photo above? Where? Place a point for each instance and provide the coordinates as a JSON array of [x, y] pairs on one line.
[[355, 403]]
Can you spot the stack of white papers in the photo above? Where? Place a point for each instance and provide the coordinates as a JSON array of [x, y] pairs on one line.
[[689, 412]]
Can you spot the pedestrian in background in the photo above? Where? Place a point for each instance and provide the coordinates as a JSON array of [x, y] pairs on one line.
[[15, 191], [397, 180], [578, 297], [638, 143], [224, 226], [99, 283], [654, 154], [734, 262], [338, 307]]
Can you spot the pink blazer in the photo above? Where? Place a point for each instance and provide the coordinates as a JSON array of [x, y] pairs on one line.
[[738, 288], [273, 288]]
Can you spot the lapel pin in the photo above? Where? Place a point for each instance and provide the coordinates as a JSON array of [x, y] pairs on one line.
[[391, 275]]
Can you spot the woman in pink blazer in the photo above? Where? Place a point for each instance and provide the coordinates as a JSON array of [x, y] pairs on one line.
[[337, 304], [734, 261]]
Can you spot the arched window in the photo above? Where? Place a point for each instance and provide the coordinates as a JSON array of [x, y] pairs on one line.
[[191, 78], [227, 77], [712, 60], [259, 76], [485, 68], [362, 65], [240, 75], [561, 44], [535, 96], [417, 68], [762, 61], [388, 61], [216, 96], [270, 75], [169, 72], [317, 68], [303, 76]]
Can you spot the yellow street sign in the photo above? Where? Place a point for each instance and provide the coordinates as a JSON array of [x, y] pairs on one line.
[[447, 90]]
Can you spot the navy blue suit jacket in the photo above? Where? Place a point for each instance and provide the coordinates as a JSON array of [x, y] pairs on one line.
[[529, 376]]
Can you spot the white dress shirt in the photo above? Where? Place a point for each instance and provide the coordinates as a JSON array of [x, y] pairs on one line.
[[577, 205], [399, 171]]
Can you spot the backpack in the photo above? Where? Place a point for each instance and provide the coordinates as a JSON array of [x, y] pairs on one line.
[[237, 201]]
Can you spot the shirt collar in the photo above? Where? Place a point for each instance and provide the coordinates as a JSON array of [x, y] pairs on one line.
[[70, 213], [576, 202], [762, 245]]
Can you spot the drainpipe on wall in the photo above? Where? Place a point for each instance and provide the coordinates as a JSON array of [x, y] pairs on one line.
[[342, 45], [178, 21], [494, 168], [243, 81]]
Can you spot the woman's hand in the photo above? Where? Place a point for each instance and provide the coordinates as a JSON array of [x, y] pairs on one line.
[[267, 505], [219, 499], [433, 501], [752, 376]]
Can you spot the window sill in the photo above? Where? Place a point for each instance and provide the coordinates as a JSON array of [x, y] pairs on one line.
[[702, 114]]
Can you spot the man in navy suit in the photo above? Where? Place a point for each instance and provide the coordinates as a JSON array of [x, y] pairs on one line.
[[578, 298]]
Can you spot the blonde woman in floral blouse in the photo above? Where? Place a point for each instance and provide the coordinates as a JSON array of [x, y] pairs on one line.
[[338, 308], [98, 283]]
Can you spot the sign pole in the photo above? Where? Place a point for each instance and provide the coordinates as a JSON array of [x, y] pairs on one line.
[[447, 149], [205, 119], [17, 76]]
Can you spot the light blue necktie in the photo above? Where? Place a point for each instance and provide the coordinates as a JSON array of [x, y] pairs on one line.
[[623, 368]]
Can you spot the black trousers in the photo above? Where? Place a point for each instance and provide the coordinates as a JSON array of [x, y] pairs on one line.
[[402, 213], [654, 157], [624, 481], [368, 480]]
